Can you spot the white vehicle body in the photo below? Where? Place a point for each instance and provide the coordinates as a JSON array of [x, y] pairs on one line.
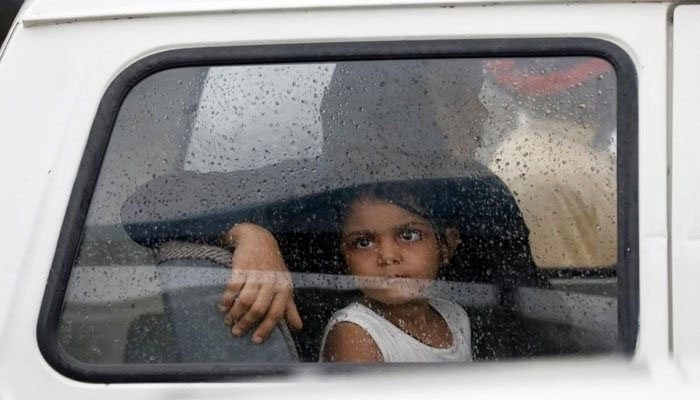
[[60, 57]]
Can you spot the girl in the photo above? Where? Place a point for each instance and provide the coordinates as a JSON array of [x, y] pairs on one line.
[[395, 250]]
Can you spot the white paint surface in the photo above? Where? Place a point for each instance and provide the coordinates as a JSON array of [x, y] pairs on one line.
[[686, 185], [49, 12], [53, 76]]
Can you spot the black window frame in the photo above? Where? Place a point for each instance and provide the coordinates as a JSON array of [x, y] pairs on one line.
[[90, 165]]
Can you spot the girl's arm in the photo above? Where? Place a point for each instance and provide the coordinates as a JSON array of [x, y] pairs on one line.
[[347, 342], [260, 286]]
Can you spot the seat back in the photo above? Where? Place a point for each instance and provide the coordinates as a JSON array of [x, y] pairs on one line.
[[192, 278]]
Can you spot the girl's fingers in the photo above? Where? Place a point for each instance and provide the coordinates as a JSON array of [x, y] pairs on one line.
[[257, 310], [226, 300], [292, 315], [233, 288], [241, 305], [274, 314]]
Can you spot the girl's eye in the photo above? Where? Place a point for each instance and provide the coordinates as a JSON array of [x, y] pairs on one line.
[[410, 235], [363, 243]]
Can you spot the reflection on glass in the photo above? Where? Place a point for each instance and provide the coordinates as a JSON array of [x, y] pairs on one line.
[[416, 210]]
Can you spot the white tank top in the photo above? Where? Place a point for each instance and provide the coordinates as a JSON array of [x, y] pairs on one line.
[[398, 346]]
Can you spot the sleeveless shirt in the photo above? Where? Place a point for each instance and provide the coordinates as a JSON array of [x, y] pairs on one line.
[[396, 345]]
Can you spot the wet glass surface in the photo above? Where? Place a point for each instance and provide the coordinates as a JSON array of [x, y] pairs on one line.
[[503, 170]]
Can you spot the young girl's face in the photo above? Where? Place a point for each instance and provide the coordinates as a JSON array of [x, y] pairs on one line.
[[385, 241]]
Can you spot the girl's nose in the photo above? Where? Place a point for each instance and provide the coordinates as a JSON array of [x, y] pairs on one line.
[[389, 253]]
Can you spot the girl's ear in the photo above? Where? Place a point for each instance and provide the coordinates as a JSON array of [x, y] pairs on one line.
[[452, 242]]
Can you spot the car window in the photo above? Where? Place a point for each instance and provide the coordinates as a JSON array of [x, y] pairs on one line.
[[481, 194]]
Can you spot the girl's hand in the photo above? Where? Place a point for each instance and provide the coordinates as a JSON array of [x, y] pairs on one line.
[[260, 286]]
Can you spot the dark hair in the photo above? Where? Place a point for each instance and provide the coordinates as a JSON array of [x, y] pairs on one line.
[[404, 194], [394, 193]]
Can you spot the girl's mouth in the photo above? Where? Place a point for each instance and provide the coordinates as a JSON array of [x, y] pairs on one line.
[[397, 280], [393, 281]]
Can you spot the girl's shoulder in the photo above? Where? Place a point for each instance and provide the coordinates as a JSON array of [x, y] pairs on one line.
[[351, 335], [349, 342]]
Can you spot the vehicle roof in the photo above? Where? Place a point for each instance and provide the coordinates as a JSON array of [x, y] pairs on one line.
[[40, 12]]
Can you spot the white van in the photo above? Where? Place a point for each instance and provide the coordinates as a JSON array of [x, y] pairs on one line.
[[551, 141]]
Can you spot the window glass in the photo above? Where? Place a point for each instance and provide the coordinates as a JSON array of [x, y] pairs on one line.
[[442, 210]]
